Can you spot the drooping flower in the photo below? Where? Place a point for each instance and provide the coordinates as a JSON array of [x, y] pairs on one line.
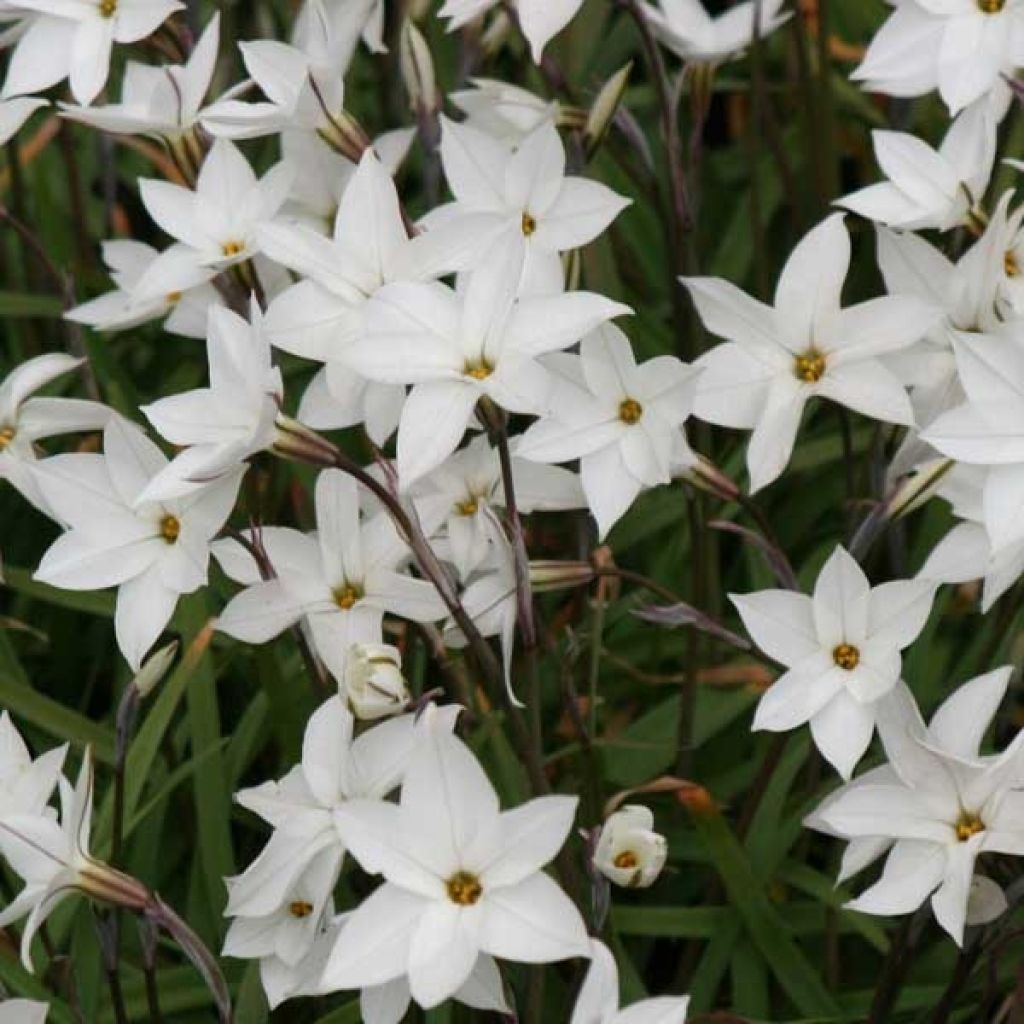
[[373, 684], [541, 20], [629, 852], [842, 651]]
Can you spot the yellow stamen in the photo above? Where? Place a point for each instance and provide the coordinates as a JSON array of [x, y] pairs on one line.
[[300, 909], [529, 224], [630, 411], [467, 508], [108, 8], [627, 859], [1010, 264], [232, 248], [846, 656], [478, 371], [464, 888], [810, 367], [968, 825], [345, 597], [7, 435], [170, 528], [991, 6]]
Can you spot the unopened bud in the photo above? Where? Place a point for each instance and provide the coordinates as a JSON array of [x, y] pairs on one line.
[[913, 492], [345, 135], [629, 852], [603, 110], [418, 71], [374, 684], [154, 670], [497, 34], [554, 575], [294, 440]]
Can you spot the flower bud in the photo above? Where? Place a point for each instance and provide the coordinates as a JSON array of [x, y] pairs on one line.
[[154, 669], [555, 575], [345, 135], [497, 34], [629, 852], [374, 684], [294, 440], [603, 111], [913, 492], [418, 71], [705, 475]]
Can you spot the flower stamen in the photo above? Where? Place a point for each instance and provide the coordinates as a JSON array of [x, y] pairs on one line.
[[1011, 265], [7, 435], [232, 248], [968, 825], [529, 224], [346, 596], [108, 8], [464, 888], [478, 371], [300, 909], [170, 528], [631, 412], [627, 860], [991, 6], [469, 507], [810, 367], [846, 656]]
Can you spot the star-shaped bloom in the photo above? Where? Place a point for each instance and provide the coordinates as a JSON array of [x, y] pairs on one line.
[[988, 428], [224, 424], [468, 488], [185, 312], [458, 348], [26, 784], [629, 852], [598, 1001], [216, 223], [523, 193], [342, 581], [162, 102], [622, 421], [278, 901], [461, 878], [936, 807], [540, 20], [322, 315], [806, 346], [961, 47], [25, 419], [152, 551], [841, 649], [73, 39], [692, 34], [928, 188]]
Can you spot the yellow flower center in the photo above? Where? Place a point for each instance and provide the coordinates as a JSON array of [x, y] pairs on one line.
[[170, 528], [232, 248], [991, 6], [846, 656], [173, 298], [529, 224], [108, 8], [300, 909], [810, 367], [7, 435], [478, 371], [968, 825], [627, 859], [470, 507], [1011, 264], [630, 411], [464, 888], [345, 597]]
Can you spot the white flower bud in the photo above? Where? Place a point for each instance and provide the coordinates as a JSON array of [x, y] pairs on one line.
[[374, 684], [417, 66], [629, 852]]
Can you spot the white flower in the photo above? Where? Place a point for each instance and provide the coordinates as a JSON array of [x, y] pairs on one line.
[[342, 581], [54, 862], [223, 425], [692, 34], [622, 421], [988, 428], [186, 312], [164, 101], [503, 110], [807, 346], [23, 1011], [541, 20], [373, 683], [598, 1001], [458, 348], [461, 878], [842, 651], [24, 420], [26, 785], [467, 487], [936, 807], [152, 551], [525, 193], [216, 223], [961, 47], [629, 852], [74, 39], [14, 113], [928, 188], [322, 315]]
